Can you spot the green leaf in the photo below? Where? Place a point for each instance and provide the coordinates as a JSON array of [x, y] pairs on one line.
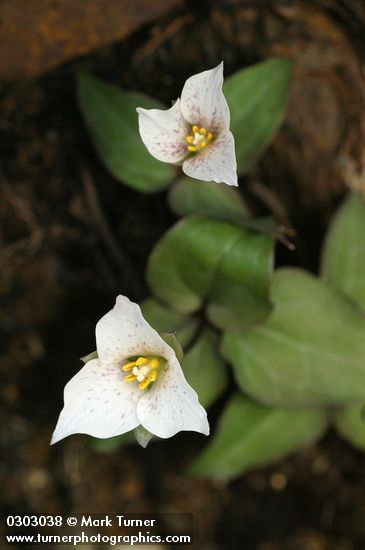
[[86, 358], [213, 200], [343, 264], [239, 295], [110, 114], [143, 436], [309, 351], [350, 424], [111, 444], [251, 435], [204, 369], [203, 261], [170, 339], [164, 319], [256, 97], [218, 201]]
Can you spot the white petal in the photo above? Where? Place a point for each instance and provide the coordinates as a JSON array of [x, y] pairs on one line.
[[203, 102], [123, 333], [164, 133], [172, 405], [98, 402], [215, 163]]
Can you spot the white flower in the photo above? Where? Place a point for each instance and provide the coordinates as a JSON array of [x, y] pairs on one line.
[[195, 131], [136, 382]]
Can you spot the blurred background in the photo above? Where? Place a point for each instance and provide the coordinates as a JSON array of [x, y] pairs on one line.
[[72, 238]]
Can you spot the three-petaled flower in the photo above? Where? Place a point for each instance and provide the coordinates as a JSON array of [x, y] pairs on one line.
[[195, 131], [135, 382]]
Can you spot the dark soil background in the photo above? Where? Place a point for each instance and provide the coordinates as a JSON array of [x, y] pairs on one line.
[[62, 214]]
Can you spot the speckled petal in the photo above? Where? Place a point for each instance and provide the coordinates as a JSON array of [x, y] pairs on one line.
[[203, 102], [216, 163], [164, 133], [123, 333], [172, 406], [98, 402]]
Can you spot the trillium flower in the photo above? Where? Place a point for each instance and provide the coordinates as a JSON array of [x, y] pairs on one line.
[[135, 383], [195, 131]]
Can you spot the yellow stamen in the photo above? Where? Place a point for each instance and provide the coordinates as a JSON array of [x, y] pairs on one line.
[[198, 139], [145, 370], [141, 361], [152, 376], [145, 383], [129, 366]]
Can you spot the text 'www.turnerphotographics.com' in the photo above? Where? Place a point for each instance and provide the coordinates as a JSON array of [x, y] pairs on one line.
[[112, 529]]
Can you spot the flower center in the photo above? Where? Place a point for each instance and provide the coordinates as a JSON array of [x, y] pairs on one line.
[[144, 370], [198, 139]]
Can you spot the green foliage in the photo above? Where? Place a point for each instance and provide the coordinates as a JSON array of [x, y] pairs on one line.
[[89, 357], [170, 339], [310, 351], [202, 261], [256, 97], [110, 114], [215, 200], [111, 444], [164, 319], [143, 436], [343, 264], [295, 342], [350, 424], [204, 369], [251, 435]]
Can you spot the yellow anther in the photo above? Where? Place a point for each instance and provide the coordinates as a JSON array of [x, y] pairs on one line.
[[129, 366], [198, 139], [152, 376], [145, 370], [144, 384], [141, 361]]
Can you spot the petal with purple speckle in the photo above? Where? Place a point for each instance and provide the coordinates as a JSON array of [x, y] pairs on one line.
[[98, 402], [123, 332], [203, 102], [216, 163], [164, 133], [172, 405]]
